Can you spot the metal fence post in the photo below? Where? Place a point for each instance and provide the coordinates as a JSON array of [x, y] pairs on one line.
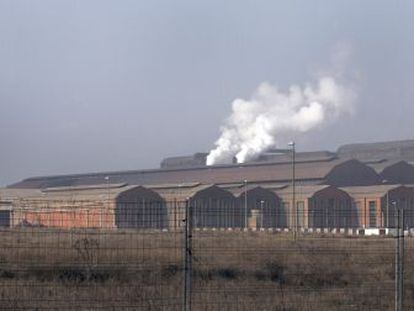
[[399, 261], [188, 223]]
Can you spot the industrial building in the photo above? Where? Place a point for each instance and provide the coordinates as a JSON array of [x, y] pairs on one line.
[[98, 206], [351, 188]]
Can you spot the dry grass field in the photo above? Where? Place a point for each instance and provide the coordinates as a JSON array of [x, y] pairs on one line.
[[45, 269]]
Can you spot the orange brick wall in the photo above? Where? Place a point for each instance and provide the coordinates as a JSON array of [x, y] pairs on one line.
[[74, 218]]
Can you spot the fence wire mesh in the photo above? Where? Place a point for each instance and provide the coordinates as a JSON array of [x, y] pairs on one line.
[[179, 256]]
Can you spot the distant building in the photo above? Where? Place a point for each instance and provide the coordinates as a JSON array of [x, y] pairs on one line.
[[350, 188], [198, 159], [392, 150]]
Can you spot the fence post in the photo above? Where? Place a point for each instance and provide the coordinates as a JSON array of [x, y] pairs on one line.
[[399, 261], [188, 223]]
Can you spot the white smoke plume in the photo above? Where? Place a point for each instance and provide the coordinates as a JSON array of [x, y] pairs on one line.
[[258, 124]]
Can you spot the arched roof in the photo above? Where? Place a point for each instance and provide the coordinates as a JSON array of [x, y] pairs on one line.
[[331, 191], [400, 172], [221, 174], [401, 191], [352, 173], [80, 193], [212, 191], [139, 192], [335, 172]]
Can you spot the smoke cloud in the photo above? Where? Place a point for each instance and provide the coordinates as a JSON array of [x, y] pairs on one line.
[[259, 124]]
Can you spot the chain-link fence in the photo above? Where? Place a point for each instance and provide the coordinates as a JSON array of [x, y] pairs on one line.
[[142, 256]]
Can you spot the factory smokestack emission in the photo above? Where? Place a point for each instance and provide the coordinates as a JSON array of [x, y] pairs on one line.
[[271, 116]]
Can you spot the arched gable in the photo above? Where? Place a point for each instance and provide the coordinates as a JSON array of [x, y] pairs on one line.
[[332, 208], [352, 173], [139, 193], [212, 192], [267, 202], [260, 192], [214, 207], [400, 197], [140, 207], [331, 192], [401, 192], [399, 173]]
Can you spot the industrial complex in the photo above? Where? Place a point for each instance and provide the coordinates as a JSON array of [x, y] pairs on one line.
[[358, 186]]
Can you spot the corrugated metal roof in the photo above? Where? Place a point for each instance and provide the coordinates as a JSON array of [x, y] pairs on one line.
[[84, 188], [380, 166], [7, 194], [286, 157], [392, 150], [168, 186], [273, 186], [375, 146], [68, 193], [259, 172]]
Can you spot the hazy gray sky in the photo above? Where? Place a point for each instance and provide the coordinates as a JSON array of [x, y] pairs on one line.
[[106, 85]]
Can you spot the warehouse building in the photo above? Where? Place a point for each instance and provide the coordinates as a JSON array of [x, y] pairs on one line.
[[162, 206], [346, 188]]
